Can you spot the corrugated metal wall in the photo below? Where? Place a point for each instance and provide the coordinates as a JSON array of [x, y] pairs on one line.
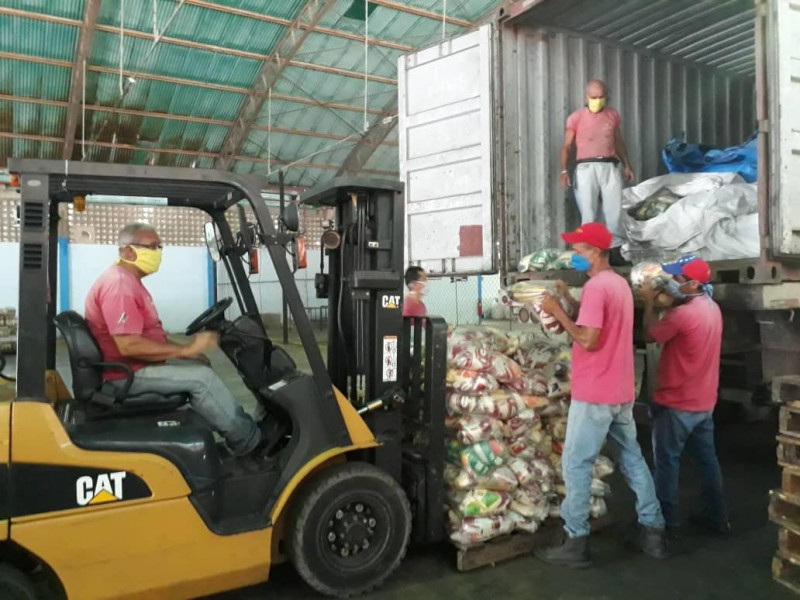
[[544, 74]]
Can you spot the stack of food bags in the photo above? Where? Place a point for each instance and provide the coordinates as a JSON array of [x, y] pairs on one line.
[[507, 415], [531, 294]]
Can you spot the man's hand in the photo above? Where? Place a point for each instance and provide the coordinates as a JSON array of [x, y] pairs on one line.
[[202, 342], [565, 180], [629, 175], [201, 358], [550, 304]]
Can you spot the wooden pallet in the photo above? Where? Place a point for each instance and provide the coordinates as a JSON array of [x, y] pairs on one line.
[[784, 509], [516, 544], [786, 571], [790, 479], [789, 450], [789, 420]]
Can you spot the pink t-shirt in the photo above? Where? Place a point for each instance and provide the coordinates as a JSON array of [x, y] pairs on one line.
[[594, 132], [413, 307], [605, 376], [118, 304], [688, 372]]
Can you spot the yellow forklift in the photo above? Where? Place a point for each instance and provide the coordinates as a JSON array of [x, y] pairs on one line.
[[132, 496]]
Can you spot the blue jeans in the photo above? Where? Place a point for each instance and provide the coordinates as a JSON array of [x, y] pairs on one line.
[[588, 425], [673, 432], [209, 397]]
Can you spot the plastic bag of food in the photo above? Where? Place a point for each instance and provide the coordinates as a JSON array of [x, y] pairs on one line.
[[600, 488], [555, 408], [474, 530], [503, 368], [500, 407], [471, 382], [649, 274], [482, 457], [597, 508], [555, 509], [519, 426], [557, 428], [480, 502], [501, 478], [470, 429], [603, 467], [531, 503], [556, 388], [523, 523], [532, 383], [563, 261]]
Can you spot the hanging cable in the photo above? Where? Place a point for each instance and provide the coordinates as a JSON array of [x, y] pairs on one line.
[[269, 129], [83, 114], [366, 60], [121, 48]]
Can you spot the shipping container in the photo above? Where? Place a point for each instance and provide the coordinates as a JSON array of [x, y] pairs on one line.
[[482, 121]]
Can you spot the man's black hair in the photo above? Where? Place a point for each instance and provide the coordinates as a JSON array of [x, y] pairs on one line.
[[413, 274]]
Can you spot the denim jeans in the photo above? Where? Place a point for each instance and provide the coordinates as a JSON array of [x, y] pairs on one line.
[[588, 425], [676, 431], [209, 397]]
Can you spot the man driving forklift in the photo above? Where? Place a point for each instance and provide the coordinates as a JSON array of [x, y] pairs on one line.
[[123, 318]]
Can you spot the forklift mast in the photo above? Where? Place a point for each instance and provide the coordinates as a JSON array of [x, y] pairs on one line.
[[373, 353]]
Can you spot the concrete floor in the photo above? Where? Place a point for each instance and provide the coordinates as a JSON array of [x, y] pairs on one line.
[[708, 568]]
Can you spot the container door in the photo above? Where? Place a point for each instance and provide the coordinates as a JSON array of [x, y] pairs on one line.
[[783, 85], [445, 121]]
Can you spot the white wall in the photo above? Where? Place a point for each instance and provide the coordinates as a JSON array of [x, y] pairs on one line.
[[180, 288], [267, 289]]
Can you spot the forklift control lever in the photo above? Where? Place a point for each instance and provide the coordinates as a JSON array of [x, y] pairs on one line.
[[387, 402]]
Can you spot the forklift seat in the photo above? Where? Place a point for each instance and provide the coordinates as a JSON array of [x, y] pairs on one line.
[[87, 365]]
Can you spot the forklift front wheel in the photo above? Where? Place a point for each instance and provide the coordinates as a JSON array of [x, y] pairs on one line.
[[15, 585], [350, 529]]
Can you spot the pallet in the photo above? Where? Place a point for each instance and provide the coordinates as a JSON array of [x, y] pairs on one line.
[[516, 544], [786, 390], [789, 420], [788, 450], [786, 570], [784, 509], [790, 479]]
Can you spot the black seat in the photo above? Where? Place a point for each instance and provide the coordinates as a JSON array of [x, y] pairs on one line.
[[87, 365]]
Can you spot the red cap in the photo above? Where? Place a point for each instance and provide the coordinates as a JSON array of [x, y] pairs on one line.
[[594, 234], [692, 267]]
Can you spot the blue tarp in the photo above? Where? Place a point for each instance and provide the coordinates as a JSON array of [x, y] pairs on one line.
[[681, 157]]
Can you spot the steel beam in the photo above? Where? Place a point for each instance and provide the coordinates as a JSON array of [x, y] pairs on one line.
[[369, 142], [199, 153], [187, 82], [90, 11], [421, 12], [311, 14]]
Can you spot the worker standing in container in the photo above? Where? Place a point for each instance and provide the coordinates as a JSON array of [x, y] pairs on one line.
[[594, 133], [688, 382], [602, 399]]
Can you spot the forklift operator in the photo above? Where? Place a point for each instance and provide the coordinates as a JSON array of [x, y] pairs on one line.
[[123, 318]]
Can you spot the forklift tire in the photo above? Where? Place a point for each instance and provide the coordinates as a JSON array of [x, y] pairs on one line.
[[349, 529], [15, 585]]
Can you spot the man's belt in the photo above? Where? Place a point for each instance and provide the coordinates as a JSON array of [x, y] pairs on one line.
[[599, 159]]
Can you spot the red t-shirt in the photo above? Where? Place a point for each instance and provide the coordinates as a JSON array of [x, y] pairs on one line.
[[118, 304], [594, 132], [688, 372], [605, 376], [412, 307]]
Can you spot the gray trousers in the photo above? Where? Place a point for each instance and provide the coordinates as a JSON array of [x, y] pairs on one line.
[[209, 397], [595, 181]]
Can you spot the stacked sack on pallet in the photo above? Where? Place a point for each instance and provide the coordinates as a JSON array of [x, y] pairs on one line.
[[506, 418]]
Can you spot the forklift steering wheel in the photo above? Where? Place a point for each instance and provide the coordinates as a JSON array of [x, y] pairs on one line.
[[209, 316]]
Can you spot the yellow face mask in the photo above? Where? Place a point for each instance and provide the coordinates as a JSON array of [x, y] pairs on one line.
[[147, 260], [596, 104]]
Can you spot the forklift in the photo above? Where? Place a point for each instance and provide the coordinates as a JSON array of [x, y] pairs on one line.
[[130, 496]]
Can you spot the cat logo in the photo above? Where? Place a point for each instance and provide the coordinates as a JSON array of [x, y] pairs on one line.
[[392, 302], [107, 487]]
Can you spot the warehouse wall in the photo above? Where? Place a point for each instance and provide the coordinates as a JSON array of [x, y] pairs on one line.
[[544, 75], [180, 288]]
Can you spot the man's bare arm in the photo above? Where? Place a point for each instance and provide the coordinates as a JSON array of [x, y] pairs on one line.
[[141, 348]]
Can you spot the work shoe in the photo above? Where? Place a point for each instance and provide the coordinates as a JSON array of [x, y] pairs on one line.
[[721, 529], [573, 553], [652, 542]]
